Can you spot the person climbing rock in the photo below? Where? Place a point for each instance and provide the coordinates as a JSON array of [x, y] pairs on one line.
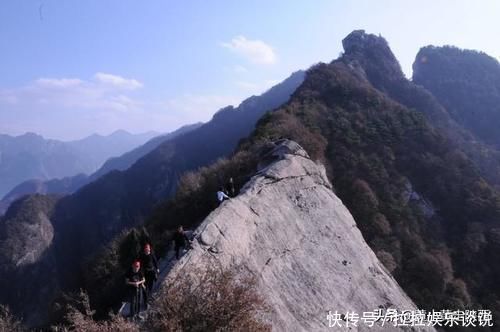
[[230, 186], [180, 241], [149, 264], [135, 283], [221, 195]]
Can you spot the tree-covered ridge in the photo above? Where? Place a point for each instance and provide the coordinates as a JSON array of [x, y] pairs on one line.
[[372, 59], [467, 83]]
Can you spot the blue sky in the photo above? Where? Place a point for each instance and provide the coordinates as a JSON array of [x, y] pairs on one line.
[[72, 68]]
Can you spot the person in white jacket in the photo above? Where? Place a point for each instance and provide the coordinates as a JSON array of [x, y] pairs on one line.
[[221, 195]]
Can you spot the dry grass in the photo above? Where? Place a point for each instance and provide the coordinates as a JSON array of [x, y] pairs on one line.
[[209, 300], [79, 318], [8, 323]]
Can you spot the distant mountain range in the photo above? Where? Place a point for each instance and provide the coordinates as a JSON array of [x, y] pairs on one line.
[[32, 157], [70, 184]]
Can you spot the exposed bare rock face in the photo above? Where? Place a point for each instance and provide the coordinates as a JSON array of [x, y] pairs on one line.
[[289, 229], [26, 239], [26, 259]]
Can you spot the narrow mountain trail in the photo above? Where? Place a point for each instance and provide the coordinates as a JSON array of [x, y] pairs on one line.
[[165, 265]]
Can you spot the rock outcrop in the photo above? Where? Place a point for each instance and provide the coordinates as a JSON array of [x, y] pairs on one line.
[[26, 258], [289, 229]]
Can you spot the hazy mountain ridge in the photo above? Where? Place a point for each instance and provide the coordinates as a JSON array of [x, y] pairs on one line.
[[102, 147], [126, 160], [71, 184], [30, 156], [467, 83], [55, 186]]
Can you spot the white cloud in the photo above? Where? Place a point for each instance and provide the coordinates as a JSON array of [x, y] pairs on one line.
[[255, 51], [69, 108], [103, 92], [118, 81]]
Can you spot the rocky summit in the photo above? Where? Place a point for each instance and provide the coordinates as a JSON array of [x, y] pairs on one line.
[[289, 229]]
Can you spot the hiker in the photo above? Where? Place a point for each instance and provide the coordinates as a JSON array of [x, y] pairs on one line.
[[135, 281], [149, 264], [180, 241], [221, 195], [231, 189]]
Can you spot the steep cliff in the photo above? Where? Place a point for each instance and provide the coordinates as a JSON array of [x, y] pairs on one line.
[[289, 229], [26, 235]]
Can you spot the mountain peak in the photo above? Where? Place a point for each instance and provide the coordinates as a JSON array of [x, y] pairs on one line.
[[359, 40], [30, 135], [369, 50], [120, 132]]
